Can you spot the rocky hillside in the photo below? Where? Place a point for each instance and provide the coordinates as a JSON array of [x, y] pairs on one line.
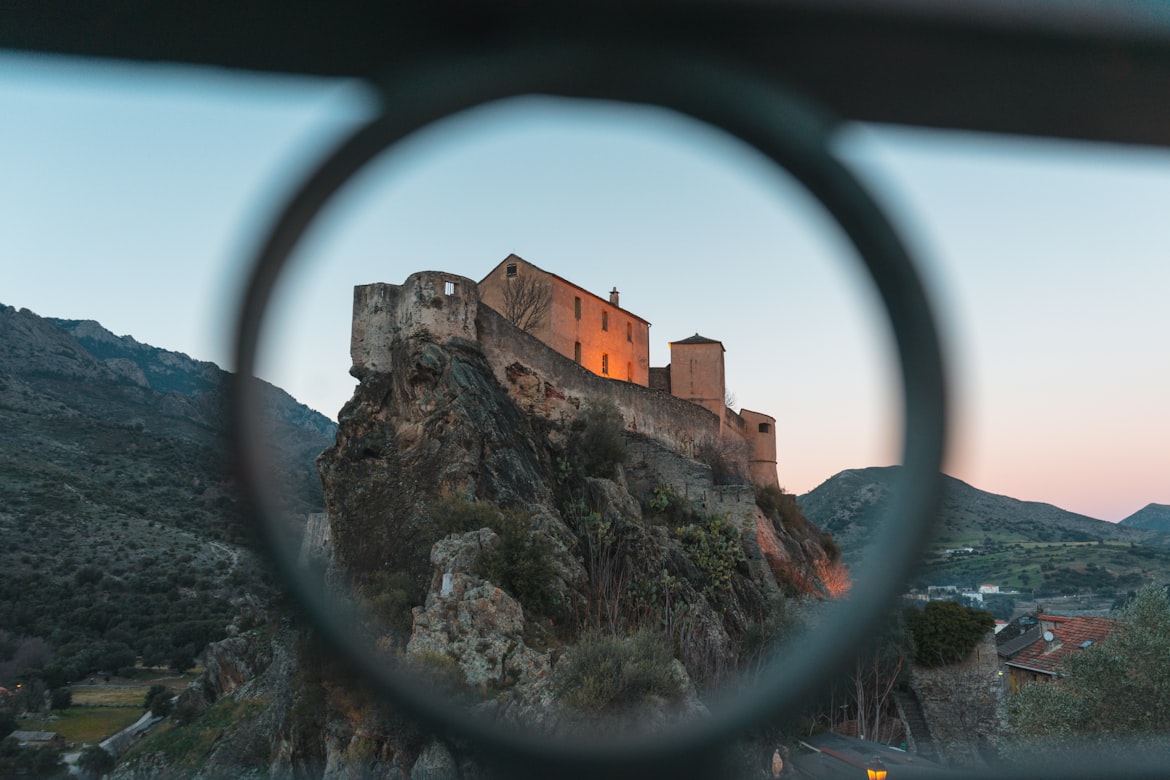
[[121, 533], [1154, 517], [562, 574]]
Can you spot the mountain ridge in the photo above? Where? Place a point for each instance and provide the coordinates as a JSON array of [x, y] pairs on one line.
[[847, 503]]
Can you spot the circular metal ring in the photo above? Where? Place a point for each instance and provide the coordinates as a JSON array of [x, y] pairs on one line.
[[792, 133]]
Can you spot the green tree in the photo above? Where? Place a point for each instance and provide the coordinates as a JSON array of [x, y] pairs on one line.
[[94, 762], [61, 698], [601, 446], [945, 632], [1120, 686]]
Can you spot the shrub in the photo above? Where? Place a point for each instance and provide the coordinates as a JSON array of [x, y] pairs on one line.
[[713, 544], [605, 672], [600, 447], [521, 563], [158, 701], [672, 508], [391, 595], [727, 459]]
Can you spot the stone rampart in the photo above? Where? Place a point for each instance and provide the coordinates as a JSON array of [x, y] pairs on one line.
[[544, 382], [439, 305]]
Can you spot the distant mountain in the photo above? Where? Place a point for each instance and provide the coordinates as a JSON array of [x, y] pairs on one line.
[[850, 504], [1155, 517], [118, 501]]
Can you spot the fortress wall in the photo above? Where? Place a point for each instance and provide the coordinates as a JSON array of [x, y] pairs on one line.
[[545, 382], [432, 302]]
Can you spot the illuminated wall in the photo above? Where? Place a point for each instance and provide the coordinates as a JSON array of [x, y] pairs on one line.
[[593, 331]]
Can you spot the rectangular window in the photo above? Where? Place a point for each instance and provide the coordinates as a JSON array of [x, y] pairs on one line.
[[629, 331], [605, 320], [605, 364], [764, 427], [577, 308], [511, 270], [629, 372], [577, 352], [448, 288]]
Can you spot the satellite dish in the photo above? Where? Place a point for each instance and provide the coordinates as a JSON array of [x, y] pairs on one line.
[[1048, 637]]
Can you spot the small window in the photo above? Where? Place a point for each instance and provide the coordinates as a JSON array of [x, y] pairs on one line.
[[629, 372], [448, 288], [605, 364], [577, 352], [605, 320], [511, 270], [765, 428], [577, 308], [629, 331]]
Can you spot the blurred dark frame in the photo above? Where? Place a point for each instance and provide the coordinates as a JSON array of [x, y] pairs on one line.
[[1081, 69]]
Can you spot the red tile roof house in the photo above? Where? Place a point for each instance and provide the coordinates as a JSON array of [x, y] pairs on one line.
[[1038, 654]]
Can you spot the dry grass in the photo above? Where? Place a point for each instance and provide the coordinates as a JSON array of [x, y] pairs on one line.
[[110, 697]]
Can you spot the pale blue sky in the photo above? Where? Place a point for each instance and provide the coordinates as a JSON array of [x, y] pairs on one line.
[[133, 195]]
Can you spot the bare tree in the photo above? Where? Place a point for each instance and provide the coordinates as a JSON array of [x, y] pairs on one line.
[[526, 302]]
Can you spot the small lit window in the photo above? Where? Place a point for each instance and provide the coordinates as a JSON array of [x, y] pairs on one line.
[[765, 428], [448, 288], [629, 331], [577, 308], [511, 270], [605, 364], [577, 352], [605, 320]]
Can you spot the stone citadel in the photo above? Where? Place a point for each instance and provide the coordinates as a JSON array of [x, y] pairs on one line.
[[555, 346]]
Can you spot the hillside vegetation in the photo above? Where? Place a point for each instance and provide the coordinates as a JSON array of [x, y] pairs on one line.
[[1026, 545], [122, 536]]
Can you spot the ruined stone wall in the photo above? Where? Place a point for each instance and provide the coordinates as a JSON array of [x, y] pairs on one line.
[[543, 382], [961, 703], [432, 302]]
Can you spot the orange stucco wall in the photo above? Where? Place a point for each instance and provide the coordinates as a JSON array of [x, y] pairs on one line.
[[619, 351], [760, 433], [696, 374]]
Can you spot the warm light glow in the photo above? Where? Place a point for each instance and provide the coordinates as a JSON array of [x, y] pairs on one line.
[[876, 774]]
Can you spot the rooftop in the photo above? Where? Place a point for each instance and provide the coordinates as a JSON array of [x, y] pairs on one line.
[[1070, 634]]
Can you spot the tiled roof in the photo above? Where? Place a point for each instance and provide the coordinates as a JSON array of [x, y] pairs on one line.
[[1069, 636]]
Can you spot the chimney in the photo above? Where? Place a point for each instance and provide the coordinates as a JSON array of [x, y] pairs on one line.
[[613, 296]]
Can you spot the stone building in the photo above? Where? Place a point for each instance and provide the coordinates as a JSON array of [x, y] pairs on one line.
[[556, 316], [595, 332]]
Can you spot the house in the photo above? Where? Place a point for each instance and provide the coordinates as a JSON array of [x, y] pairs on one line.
[[1036, 654]]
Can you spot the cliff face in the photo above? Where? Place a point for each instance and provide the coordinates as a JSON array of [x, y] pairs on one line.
[[525, 547], [634, 536]]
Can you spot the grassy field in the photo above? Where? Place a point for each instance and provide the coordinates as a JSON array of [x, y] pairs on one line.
[[86, 725]]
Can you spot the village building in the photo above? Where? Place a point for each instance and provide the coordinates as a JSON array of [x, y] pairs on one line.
[[1037, 654], [595, 333]]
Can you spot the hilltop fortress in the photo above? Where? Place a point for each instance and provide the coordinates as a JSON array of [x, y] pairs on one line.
[[555, 346]]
